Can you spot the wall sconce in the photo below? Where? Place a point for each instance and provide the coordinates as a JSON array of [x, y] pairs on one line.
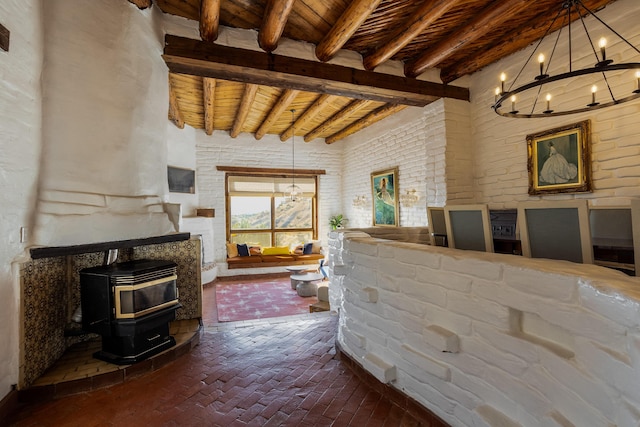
[[360, 201], [409, 199]]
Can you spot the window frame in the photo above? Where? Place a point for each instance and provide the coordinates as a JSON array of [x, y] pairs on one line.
[[272, 230]]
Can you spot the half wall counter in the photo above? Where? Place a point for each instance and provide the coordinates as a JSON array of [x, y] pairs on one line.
[[490, 339]]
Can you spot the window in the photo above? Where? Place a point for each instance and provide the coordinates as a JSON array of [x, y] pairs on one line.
[[259, 211]]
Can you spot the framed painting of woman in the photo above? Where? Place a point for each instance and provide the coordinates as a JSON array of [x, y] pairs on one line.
[[559, 160], [384, 191]]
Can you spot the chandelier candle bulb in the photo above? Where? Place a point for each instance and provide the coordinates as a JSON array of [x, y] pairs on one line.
[[541, 61], [594, 88], [498, 94], [513, 103], [503, 77], [603, 44], [637, 82], [548, 110]]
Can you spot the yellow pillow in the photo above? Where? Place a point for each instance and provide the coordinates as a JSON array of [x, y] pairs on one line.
[[276, 250], [232, 250]]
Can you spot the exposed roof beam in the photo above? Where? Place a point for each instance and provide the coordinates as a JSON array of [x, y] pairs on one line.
[[281, 104], [428, 13], [494, 15], [199, 58], [142, 4], [209, 98], [368, 120], [309, 114], [348, 23], [209, 19], [276, 16], [174, 110], [350, 109], [248, 96]]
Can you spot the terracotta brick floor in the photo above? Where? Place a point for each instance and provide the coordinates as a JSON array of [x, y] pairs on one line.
[[273, 372]]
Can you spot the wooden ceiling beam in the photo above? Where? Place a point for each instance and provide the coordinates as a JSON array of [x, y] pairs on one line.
[[248, 97], [194, 57], [142, 4], [427, 14], [494, 15], [350, 109], [276, 16], [315, 108], [285, 99], [174, 111], [348, 23], [208, 102], [209, 19], [368, 120]]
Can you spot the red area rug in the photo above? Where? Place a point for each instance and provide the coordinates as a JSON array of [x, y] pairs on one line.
[[259, 299]]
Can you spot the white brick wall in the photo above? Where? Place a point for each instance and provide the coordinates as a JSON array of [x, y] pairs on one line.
[[491, 339], [220, 149], [500, 148]]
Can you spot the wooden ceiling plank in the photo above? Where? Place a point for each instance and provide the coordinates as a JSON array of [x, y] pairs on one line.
[[348, 23], [174, 111], [287, 96], [427, 14], [308, 115], [209, 99], [368, 120], [276, 16], [209, 19], [484, 23], [350, 109], [248, 96], [199, 58], [142, 4]]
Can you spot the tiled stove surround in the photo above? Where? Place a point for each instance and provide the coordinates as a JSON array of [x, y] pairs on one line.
[[50, 290], [489, 339]]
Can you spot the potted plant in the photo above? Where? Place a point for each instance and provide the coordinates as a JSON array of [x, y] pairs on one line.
[[337, 221]]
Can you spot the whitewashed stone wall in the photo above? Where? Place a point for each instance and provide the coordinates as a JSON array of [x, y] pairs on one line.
[[20, 129], [500, 148], [487, 339]]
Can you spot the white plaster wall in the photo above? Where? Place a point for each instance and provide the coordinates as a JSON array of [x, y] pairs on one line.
[[500, 156], [220, 149], [104, 124], [488, 339], [20, 129], [432, 149]]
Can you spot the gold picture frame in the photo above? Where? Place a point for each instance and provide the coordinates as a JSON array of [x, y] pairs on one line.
[[384, 193], [559, 159]]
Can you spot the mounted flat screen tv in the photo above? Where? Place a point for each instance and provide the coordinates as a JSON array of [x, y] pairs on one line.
[[181, 180], [468, 227], [556, 230]]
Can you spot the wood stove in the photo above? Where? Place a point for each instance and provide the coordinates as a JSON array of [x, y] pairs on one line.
[[130, 304]]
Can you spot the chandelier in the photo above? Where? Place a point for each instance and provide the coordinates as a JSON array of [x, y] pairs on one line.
[[293, 191], [534, 99]]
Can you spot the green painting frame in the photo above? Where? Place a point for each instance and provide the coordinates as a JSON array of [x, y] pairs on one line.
[[384, 192]]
